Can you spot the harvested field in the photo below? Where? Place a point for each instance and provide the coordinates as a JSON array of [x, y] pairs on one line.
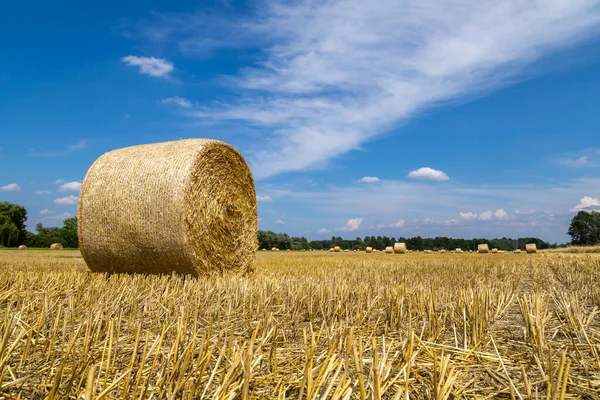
[[304, 326]]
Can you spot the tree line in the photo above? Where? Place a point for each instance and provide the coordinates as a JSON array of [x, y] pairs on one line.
[[13, 232], [584, 231]]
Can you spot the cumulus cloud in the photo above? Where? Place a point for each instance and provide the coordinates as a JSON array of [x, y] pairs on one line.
[[263, 199], [178, 101], [40, 192], [11, 187], [157, 67], [586, 203], [45, 211], [279, 222], [429, 173], [324, 87], [48, 214], [369, 179], [70, 187], [468, 215], [66, 201], [323, 231], [500, 214], [59, 181], [352, 225]]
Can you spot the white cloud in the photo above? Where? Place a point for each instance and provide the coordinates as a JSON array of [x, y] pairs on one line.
[[279, 222], [500, 214], [352, 225], [179, 101], [468, 215], [486, 216], [66, 201], [398, 224], [429, 173], [59, 181], [11, 187], [577, 162], [40, 192], [586, 203], [70, 187], [80, 145], [157, 67], [323, 230], [324, 86], [369, 179], [48, 214], [263, 199]]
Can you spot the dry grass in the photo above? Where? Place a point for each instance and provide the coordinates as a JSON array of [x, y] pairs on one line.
[[574, 249], [304, 326]]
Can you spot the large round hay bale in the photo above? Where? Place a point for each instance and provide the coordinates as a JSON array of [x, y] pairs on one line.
[[187, 206], [483, 248], [399, 248], [494, 250], [337, 249], [22, 247], [369, 249], [56, 246], [389, 250], [531, 248]]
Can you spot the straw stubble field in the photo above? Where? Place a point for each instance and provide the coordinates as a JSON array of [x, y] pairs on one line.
[[304, 326]]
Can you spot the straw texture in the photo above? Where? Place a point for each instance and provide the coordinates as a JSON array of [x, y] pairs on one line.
[[186, 206], [531, 248], [399, 248], [56, 246], [483, 248]]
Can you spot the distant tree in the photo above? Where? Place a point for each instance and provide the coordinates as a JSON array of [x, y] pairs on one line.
[[585, 228], [12, 224], [68, 233]]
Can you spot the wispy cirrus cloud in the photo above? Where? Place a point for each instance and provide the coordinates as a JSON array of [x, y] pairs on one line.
[[157, 67], [323, 86], [263, 199], [398, 224]]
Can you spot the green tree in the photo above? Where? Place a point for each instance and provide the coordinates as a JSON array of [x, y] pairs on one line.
[[585, 228], [68, 233], [12, 224]]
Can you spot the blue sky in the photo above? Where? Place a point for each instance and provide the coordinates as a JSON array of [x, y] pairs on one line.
[[458, 118]]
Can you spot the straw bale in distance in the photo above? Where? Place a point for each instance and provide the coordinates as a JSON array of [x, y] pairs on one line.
[[22, 247], [56, 246], [483, 248], [389, 250], [187, 206], [531, 248], [369, 249], [337, 249], [399, 248], [494, 250]]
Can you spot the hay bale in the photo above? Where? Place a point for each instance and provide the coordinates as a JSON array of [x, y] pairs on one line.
[[517, 251], [187, 206], [369, 249], [399, 248], [531, 248], [331, 250], [494, 250], [56, 246], [483, 248], [273, 248], [337, 249], [22, 247], [458, 250], [389, 250]]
